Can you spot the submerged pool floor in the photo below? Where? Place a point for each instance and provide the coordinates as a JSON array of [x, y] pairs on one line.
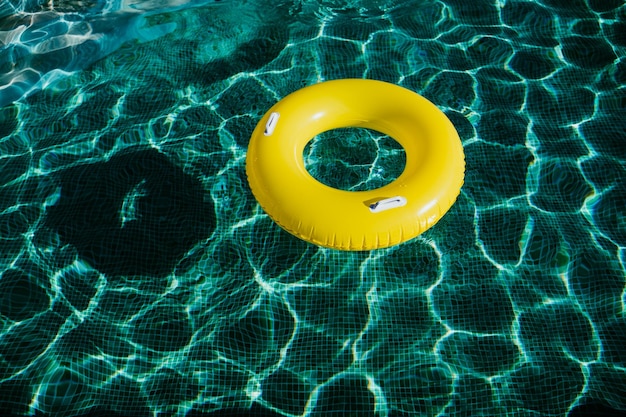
[[140, 276]]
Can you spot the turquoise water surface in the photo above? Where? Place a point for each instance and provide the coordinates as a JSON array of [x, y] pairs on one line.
[[140, 277]]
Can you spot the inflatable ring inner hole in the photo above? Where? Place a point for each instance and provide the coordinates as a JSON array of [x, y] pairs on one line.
[[354, 159]]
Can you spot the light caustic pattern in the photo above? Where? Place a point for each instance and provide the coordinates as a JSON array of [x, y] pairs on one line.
[[139, 275]]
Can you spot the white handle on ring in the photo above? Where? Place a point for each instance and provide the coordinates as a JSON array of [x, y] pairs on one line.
[[271, 123], [387, 203]]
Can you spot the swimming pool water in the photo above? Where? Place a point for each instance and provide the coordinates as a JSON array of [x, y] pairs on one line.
[[140, 277]]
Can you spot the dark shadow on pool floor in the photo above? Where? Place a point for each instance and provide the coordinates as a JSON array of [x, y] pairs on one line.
[[135, 214]]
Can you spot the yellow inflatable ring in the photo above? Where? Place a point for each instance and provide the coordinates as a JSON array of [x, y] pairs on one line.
[[355, 220]]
